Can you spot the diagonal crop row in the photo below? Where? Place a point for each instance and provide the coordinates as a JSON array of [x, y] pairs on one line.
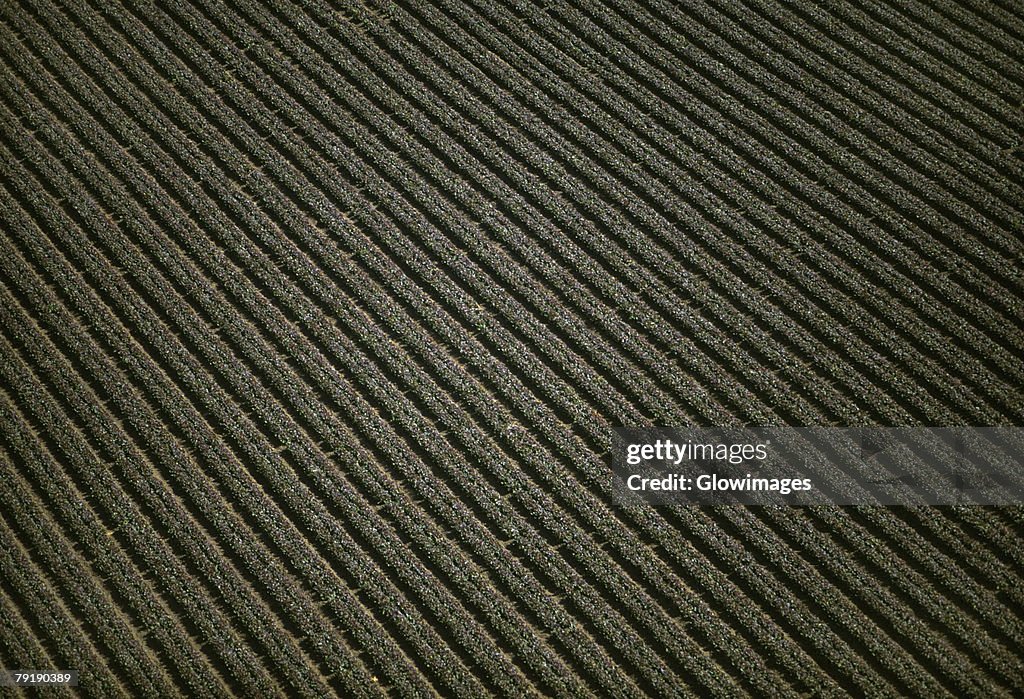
[[282, 590], [906, 32], [138, 529], [20, 646], [866, 113], [358, 380], [115, 635], [739, 173], [858, 385], [668, 110], [428, 591], [978, 631], [140, 414], [51, 619], [955, 649], [986, 35], [177, 647]]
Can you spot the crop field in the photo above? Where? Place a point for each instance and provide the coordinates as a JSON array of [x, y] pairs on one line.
[[316, 318]]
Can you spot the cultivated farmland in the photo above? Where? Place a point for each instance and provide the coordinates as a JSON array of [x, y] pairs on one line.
[[317, 319]]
